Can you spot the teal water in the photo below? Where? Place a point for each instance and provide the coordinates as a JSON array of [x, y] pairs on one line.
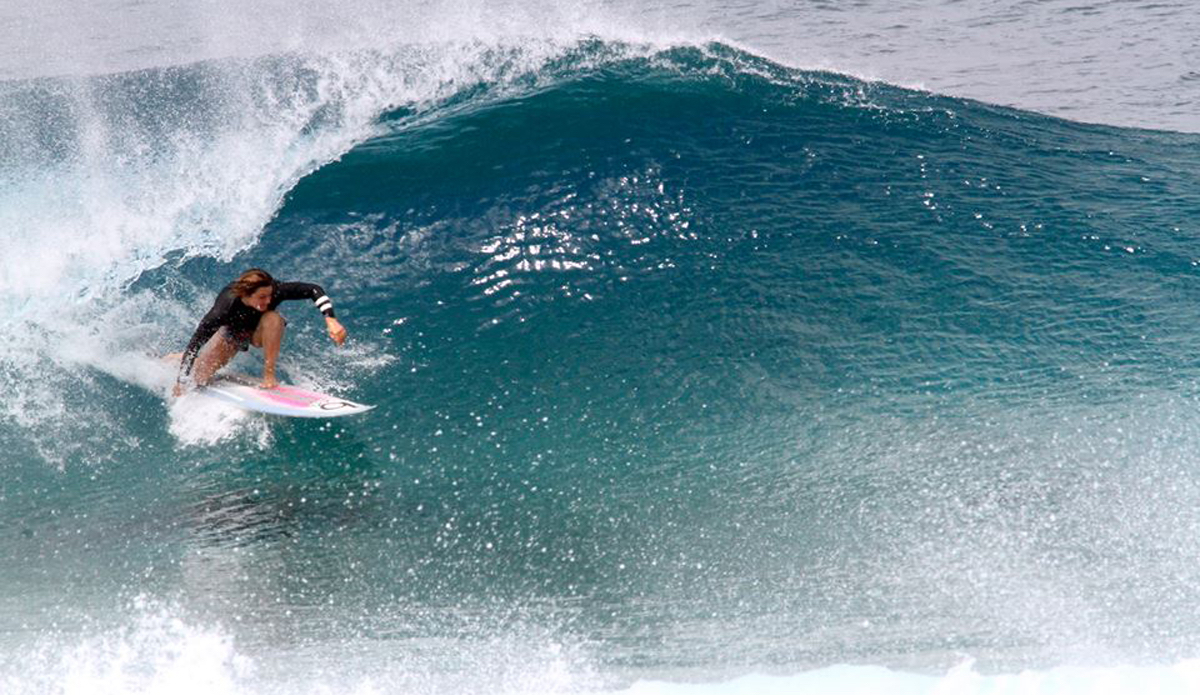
[[687, 365]]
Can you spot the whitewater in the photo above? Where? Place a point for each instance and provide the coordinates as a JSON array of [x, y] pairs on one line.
[[716, 348]]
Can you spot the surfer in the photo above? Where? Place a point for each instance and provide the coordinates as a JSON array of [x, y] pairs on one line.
[[244, 315]]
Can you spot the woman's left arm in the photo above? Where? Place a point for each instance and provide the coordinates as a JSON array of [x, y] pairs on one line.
[[307, 290]]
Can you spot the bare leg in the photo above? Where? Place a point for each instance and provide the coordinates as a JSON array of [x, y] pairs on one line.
[[269, 337], [215, 354]]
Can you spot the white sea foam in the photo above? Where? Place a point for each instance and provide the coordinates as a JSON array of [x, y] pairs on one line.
[[159, 650], [200, 421], [62, 38], [156, 653], [1180, 678]]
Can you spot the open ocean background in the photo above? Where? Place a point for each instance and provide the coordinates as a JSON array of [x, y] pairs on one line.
[[718, 348]]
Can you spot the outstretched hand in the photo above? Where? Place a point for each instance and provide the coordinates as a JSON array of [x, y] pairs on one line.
[[337, 332]]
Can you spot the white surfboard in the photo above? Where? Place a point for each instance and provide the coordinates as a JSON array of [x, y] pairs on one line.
[[286, 400]]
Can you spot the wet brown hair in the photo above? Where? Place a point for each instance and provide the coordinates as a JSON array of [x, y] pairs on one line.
[[251, 281]]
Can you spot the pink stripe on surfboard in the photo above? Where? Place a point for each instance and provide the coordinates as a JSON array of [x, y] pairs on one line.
[[293, 391], [303, 401]]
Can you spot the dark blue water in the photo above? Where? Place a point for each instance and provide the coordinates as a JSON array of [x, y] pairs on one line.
[[688, 365]]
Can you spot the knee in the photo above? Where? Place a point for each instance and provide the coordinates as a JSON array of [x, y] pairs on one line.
[[270, 327], [272, 320]]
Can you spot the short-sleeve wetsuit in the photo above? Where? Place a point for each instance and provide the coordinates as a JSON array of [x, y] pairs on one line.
[[240, 320]]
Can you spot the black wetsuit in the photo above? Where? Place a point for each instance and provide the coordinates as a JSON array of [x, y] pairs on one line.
[[240, 320]]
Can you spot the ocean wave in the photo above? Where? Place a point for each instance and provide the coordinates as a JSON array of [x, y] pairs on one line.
[[699, 361]]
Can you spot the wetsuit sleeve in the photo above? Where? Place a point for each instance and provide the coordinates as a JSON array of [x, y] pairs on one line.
[[305, 290], [216, 317]]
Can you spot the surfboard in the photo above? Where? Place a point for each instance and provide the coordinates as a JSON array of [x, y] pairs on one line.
[[286, 400]]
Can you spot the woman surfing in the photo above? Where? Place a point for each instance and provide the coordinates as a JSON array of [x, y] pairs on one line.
[[243, 315]]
